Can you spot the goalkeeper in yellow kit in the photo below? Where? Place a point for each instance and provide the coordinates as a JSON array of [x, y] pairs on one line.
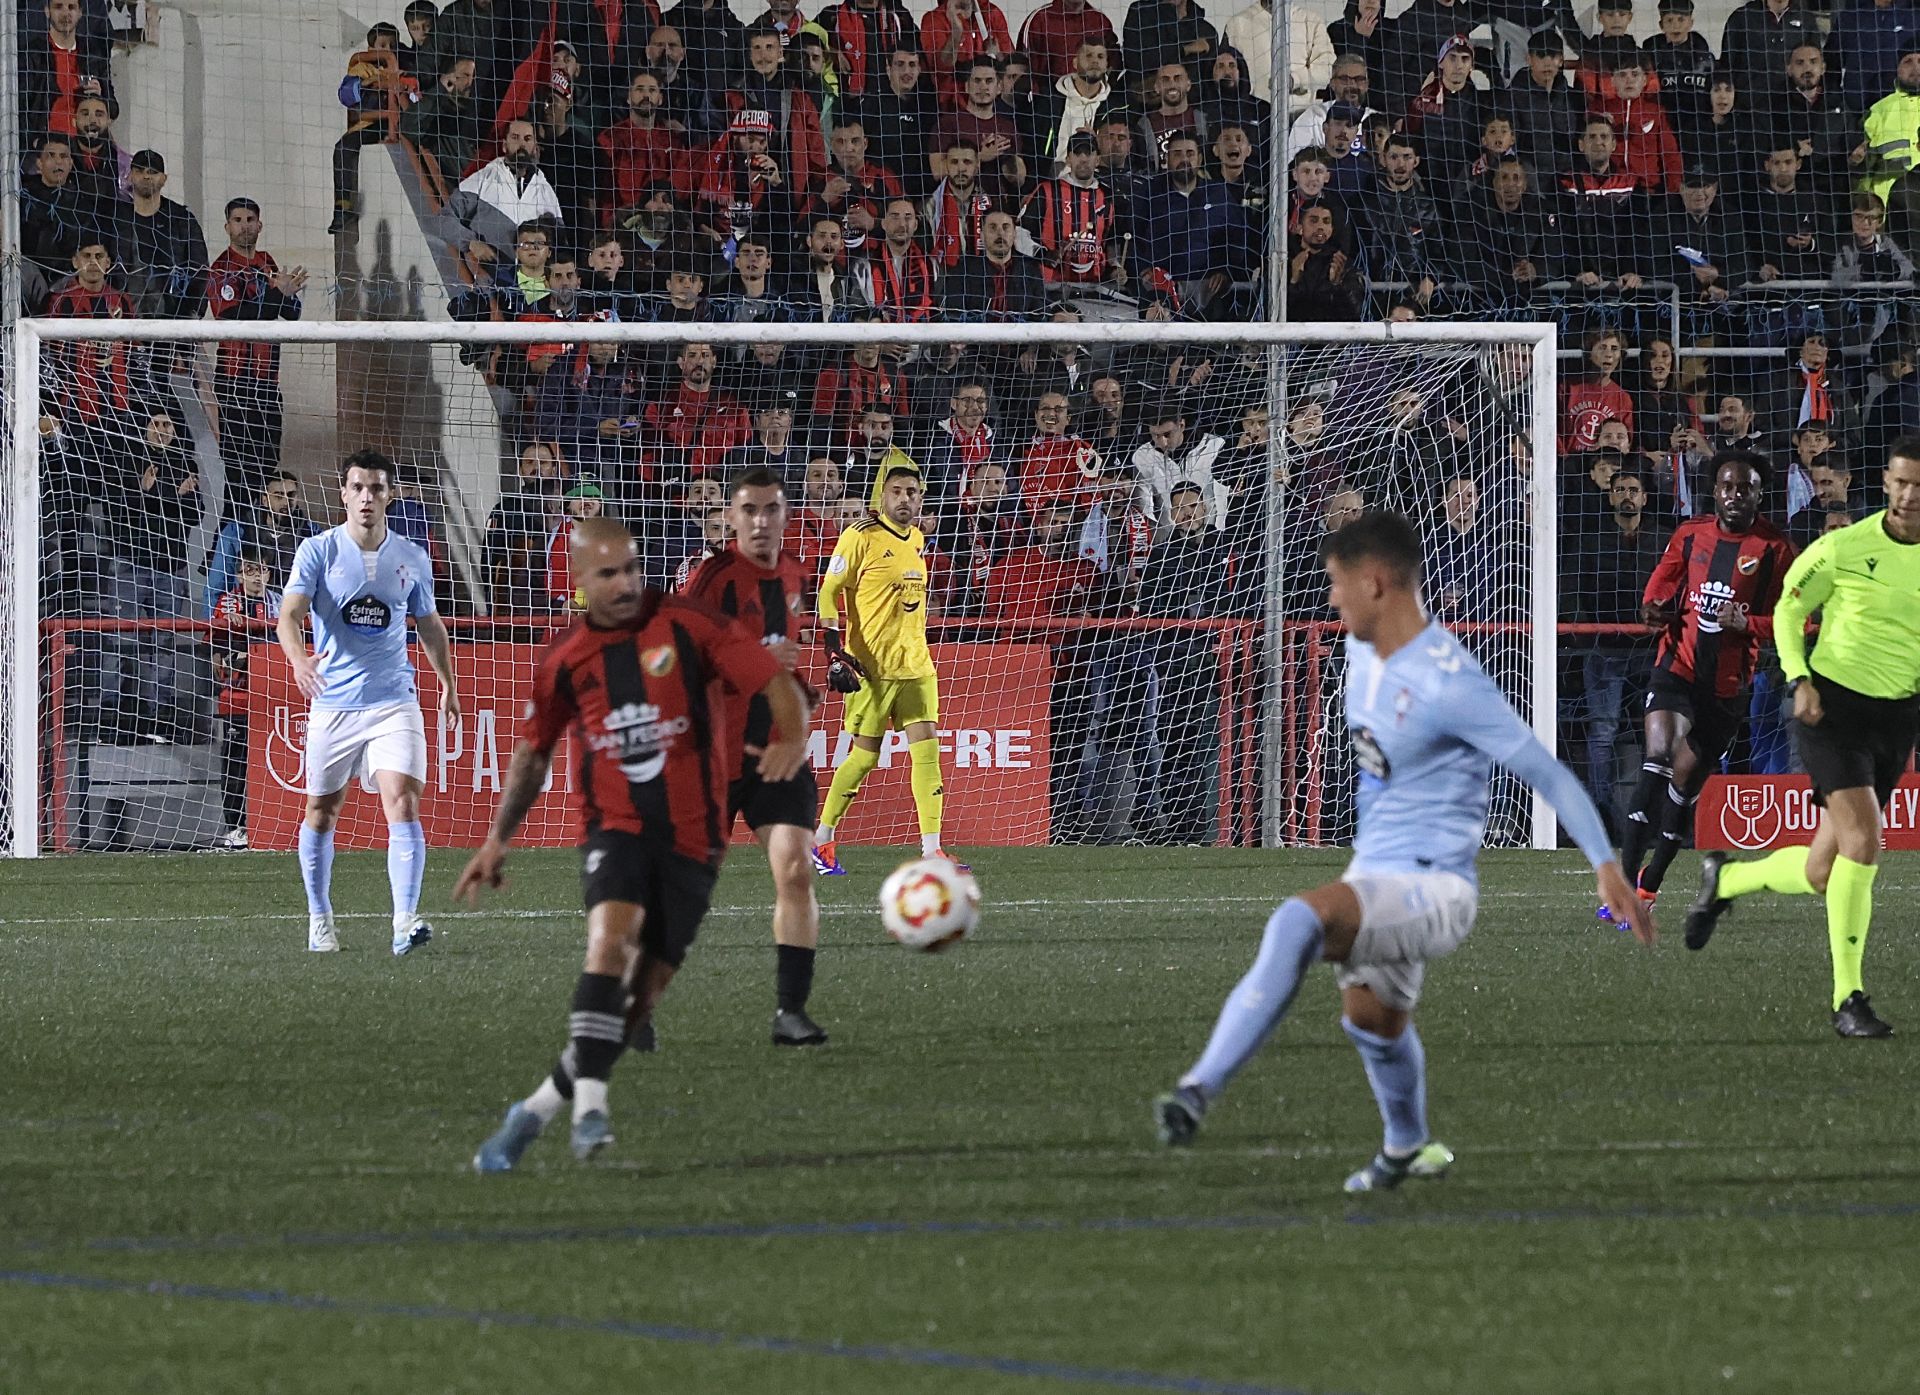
[[880, 659], [1855, 704]]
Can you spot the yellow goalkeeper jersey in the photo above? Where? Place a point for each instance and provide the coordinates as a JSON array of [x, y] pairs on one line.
[[882, 571]]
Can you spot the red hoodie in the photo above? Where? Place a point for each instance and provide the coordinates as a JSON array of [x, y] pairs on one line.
[[1647, 148]]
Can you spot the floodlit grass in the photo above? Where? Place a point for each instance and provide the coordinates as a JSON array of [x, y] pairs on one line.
[[226, 1165]]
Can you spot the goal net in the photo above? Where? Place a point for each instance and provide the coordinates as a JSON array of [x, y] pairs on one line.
[[1130, 628]]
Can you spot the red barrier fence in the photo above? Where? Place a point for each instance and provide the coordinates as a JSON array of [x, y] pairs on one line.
[[997, 689]]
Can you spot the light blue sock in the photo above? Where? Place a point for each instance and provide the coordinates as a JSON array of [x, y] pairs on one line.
[[316, 869], [1256, 1005], [1397, 1070], [406, 865]]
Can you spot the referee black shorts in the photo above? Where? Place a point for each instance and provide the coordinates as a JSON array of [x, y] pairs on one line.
[[671, 889], [1860, 741], [763, 803], [1715, 721]]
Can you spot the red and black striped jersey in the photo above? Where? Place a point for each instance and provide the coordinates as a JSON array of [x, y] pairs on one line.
[[648, 706], [770, 603], [1074, 224], [1706, 574]]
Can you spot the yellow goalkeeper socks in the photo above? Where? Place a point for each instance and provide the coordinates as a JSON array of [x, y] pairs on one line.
[[1784, 870], [929, 790], [846, 784], [1849, 910]]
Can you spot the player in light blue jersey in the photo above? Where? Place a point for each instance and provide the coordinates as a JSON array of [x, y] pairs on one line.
[[1427, 726], [360, 582]]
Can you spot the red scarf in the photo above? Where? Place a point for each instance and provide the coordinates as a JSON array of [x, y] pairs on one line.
[[1817, 403], [953, 239], [903, 295], [973, 446], [850, 29]]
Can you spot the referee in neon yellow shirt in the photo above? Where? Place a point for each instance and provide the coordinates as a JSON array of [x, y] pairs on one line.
[[1855, 703]]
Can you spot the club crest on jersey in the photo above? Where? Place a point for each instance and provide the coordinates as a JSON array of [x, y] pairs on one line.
[[1747, 566], [658, 662], [1402, 705]]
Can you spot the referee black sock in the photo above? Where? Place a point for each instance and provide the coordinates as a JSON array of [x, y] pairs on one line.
[[1673, 837], [1645, 816], [597, 1025], [793, 976]]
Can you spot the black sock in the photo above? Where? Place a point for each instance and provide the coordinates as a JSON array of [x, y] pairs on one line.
[[793, 976], [598, 1025], [1673, 837], [1644, 816]]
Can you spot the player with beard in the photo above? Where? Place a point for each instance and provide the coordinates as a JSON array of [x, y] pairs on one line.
[[641, 681]]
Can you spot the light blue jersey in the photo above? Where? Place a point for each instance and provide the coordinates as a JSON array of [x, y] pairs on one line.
[[1427, 727], [360, 609]]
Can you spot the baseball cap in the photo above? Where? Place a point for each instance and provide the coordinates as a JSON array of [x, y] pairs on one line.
[[148, 160], [1451, 43], [1676, 7], [1345, 111], [585, 491], [777, 400], [1700, 176], [1546, 43], [1082, 140]]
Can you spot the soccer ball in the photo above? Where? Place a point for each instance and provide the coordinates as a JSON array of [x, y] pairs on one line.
[[929, 903]]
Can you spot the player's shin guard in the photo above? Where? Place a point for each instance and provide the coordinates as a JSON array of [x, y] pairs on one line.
[[1291, 943], [846, 784], [1397, 1071], [1673, 836], [929, 789], [406, 866], [1645, 814], [316, 869], [1783, 870], [1849, 911]]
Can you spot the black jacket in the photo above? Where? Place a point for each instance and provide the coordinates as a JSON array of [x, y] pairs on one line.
[[148, 525], [165, 261], [1546, 123], [1686, 76], [1613, 567]]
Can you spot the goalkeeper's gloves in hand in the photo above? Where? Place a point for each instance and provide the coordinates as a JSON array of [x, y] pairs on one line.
[[843, 670]]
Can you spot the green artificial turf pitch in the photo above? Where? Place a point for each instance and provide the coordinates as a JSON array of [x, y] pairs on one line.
[[227, 1165]]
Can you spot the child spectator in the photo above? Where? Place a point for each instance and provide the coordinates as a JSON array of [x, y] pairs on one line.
[[1596, 396]]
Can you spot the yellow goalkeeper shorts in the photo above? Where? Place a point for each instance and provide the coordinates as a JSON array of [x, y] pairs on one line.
[[892, 702]]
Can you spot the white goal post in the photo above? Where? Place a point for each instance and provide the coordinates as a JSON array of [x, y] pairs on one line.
[[1295, 358]]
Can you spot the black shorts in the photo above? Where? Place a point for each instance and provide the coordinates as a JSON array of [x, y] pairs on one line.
[[673, 890], [763, 803], [1860, 741], [1716, 721]]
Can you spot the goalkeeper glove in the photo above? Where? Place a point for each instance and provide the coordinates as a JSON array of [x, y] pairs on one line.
[[843, 670]]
